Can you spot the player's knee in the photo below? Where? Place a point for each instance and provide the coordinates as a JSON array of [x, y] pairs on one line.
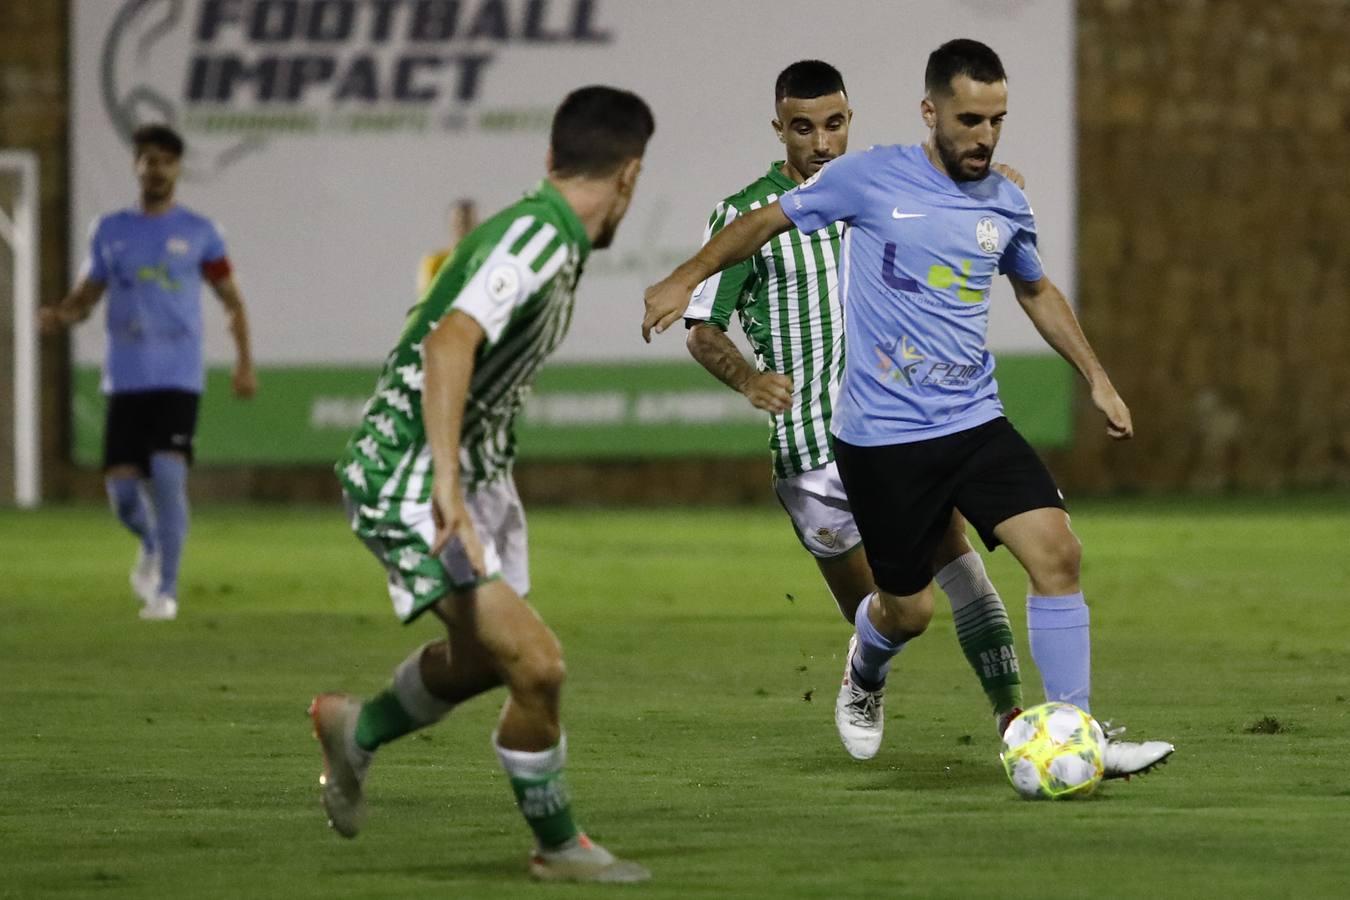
[[904, 618], [1061, 563], [540, 675]]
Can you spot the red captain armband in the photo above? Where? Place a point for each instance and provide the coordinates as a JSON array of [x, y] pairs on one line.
[[216, 269]]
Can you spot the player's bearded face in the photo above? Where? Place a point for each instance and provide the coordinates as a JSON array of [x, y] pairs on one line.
[[967, 124], [813, 131], [157, 170]]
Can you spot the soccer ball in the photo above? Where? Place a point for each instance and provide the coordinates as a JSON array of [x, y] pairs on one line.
[[1053, 752]]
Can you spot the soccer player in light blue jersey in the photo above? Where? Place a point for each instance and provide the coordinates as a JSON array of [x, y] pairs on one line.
[[787, 299], [918, 425], [151, 259]]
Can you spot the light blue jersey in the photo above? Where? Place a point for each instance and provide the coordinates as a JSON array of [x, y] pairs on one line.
[[918, 259], [153, 268]]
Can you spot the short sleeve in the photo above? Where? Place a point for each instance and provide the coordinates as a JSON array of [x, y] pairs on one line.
[[502, 276], [834, 194], [718, 297], [1020, 258], [95, 267], [213, 248]]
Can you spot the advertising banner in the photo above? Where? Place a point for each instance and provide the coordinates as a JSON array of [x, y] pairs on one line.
[[329, 138]]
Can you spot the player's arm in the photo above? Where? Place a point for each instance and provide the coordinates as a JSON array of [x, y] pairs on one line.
[[667, 300], [245, 380], [1054, 319], [448, 355], [74, 307], [717, 353]]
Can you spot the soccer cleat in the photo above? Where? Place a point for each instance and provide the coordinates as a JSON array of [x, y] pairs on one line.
[[161, 609], [1004, 719], [584, 860], [858, 712], [1125, 758], [145, 576], [344, 763]]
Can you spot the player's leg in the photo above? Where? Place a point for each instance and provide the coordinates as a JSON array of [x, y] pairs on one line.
[[981, 621], [125, 460], [529, 739], [1011, 498], [898, 497], [172, 425], [818, 508]]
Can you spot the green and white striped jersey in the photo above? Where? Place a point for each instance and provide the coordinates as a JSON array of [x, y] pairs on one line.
[[516, 275], [788, 305]]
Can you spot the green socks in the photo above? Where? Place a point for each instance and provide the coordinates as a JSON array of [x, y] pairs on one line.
[[983, 630], [404, 706], [541, 794]]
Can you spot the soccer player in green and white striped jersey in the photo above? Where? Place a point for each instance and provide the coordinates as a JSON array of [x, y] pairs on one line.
[[428, 488], [786, 299]]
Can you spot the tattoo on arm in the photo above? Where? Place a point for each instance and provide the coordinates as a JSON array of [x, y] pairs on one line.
[[715, 352]]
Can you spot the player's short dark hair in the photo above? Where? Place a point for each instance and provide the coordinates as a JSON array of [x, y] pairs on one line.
[[597, 129], [962, 56], [161, 136], [807, 79]]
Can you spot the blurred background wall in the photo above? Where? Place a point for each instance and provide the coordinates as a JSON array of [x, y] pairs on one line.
[[1213, 270]]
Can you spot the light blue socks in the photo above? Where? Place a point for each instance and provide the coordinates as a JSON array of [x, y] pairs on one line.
[[168, 486], [875, 651], [124, 495], [1061, 645]]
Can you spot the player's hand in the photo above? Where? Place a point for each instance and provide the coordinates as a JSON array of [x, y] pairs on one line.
[[53, 319], [244, 382], [1118, 422], [665, 303], [768, 391], [453, 523], [1011, 174]]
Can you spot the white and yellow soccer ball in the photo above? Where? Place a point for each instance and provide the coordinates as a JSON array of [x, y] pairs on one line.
[[1054, 752]]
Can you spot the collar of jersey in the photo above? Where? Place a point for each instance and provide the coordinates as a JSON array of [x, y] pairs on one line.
[[777, 177], [571, 223]]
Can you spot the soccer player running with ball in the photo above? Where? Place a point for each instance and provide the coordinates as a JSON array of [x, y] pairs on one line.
[[151, 260], [918, 425], [786, 296], [428, 487]]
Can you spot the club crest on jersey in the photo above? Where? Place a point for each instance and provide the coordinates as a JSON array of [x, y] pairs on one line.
[[503, 282], [986, 235], [827, 537], [178, 246]]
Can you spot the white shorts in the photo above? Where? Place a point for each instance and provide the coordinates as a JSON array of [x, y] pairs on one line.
[[400, 535], [818, 507]]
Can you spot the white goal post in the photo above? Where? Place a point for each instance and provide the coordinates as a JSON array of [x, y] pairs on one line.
[[19, 230]]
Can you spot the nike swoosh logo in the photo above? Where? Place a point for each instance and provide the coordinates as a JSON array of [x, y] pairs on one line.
[[897, 214]]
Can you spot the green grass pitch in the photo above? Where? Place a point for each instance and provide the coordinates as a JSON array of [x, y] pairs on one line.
[[174, 760]]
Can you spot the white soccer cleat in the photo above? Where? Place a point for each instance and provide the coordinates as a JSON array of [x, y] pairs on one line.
[[161, 609], [858, 712], [344, 763], [584, 860], [145, 576], [1125, 758]]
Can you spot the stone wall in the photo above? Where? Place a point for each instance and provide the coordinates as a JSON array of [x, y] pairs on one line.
[[1214, 263]]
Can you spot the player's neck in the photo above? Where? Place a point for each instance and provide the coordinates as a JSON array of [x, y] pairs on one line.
[[930, 150], [156, 207], [590, 199], [790, 172]]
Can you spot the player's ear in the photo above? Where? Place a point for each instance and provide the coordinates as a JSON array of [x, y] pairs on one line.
[[929, 112], [628, 176], [778, 130], [548, 160]]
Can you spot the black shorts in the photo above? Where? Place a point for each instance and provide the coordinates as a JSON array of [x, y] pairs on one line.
[[903, 495], [141, 423]]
